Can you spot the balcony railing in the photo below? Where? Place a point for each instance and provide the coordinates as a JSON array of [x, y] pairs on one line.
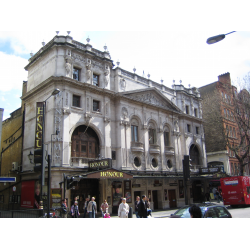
[[169, 150], [137, 146], [154, 149], [80, 161]]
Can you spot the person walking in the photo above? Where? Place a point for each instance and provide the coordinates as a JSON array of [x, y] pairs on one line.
[[104, 208], [85, 207], [136, 206], [75, 210], [64, 209], [149, 210], [142, 208], [123, 209], [91, 209]]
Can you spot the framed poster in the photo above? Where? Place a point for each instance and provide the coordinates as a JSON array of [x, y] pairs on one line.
[[127, 191], [117, 193]]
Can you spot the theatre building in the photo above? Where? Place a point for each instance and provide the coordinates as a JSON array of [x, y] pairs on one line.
[[110, 133]]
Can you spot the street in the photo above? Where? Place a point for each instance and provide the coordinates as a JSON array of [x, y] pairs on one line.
[[240, 212]]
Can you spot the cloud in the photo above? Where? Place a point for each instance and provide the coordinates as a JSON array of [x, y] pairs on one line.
[[13, 73]]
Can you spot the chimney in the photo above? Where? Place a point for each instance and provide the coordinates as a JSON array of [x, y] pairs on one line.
[[225, 78]]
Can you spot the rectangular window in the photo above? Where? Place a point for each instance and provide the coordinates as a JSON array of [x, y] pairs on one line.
[[76, 74], [76, 101], [114, 155], [187, 109], [195, 113], [1, 198], [188, 128], [166, 139], [96, 80], [197, 130], [152, 136], [134, 133], [96, 106]]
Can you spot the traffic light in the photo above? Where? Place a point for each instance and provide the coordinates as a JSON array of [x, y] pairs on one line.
[[38, 157], [186, 167], [69, 182]]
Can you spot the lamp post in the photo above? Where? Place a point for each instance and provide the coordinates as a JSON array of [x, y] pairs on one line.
[[55, 92], [218, 38]]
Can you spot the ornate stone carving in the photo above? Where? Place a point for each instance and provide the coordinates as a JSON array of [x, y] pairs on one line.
[[123, 84], [124, 113], [68, 68], [88, 69], [107, 75], [176, 126]]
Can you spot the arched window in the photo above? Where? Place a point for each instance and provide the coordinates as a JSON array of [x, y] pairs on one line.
[[134, 130], [194, 155], [152, 134], [85, 143], [166, 137]]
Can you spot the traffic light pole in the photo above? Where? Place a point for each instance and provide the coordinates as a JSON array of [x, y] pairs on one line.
[[186, 175], [48, 193]]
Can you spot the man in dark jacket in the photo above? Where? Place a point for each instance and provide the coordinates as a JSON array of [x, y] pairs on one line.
[[142, 208], [137, 202]]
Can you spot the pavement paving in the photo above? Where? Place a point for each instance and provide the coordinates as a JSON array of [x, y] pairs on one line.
[[165, 213]]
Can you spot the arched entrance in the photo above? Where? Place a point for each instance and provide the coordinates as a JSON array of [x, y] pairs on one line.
[[194, 155], [85, 143]]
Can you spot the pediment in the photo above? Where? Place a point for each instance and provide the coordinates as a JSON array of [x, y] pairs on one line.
[[152, 96]]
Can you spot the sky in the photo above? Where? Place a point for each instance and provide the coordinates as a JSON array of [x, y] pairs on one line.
[[167, 55]]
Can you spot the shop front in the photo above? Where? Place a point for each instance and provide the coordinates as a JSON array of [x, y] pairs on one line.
[[113, 185]]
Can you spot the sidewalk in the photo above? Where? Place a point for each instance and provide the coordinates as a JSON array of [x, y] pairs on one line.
[[165, 213]]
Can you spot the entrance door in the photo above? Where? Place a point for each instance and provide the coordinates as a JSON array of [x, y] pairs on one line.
[[155, 199], [86, 187], [197, 194], [172, 198]]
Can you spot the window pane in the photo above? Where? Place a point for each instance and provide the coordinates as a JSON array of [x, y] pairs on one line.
[[76, 74], [96, 80], [132, 133], [135, 133], [83, 149], [76, 101], [166, 138], [96, 106]]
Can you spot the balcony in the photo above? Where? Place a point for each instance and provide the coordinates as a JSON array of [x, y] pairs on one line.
[[80, 162], [169, 150], [137, 147], [154, 149]]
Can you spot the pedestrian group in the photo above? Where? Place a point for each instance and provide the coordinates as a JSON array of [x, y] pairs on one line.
[[142, 208]]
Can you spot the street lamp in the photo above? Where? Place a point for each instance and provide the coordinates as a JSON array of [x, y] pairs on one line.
[[216, 39]]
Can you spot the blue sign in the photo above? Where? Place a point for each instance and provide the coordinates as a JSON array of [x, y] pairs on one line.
[[7, 179]]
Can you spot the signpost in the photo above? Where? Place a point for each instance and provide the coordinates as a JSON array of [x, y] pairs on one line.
[[7, 179]]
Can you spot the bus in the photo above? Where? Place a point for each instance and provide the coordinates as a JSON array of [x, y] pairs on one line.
[[236, 190]]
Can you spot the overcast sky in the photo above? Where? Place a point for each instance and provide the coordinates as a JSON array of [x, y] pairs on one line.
[[164, 55]]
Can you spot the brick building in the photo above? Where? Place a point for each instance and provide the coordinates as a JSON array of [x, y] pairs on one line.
[[218, 114]]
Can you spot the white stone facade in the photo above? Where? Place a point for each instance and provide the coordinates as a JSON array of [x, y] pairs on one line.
[[124, 99]]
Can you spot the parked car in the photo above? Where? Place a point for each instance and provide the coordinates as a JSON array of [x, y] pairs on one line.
[[209, 210]]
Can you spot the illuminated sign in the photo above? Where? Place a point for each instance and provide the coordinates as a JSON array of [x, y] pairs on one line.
[[111, 174], [100, 164], [211, 170], [39, 125]]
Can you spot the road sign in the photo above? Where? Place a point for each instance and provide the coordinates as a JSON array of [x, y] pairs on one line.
[[7, 179]]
